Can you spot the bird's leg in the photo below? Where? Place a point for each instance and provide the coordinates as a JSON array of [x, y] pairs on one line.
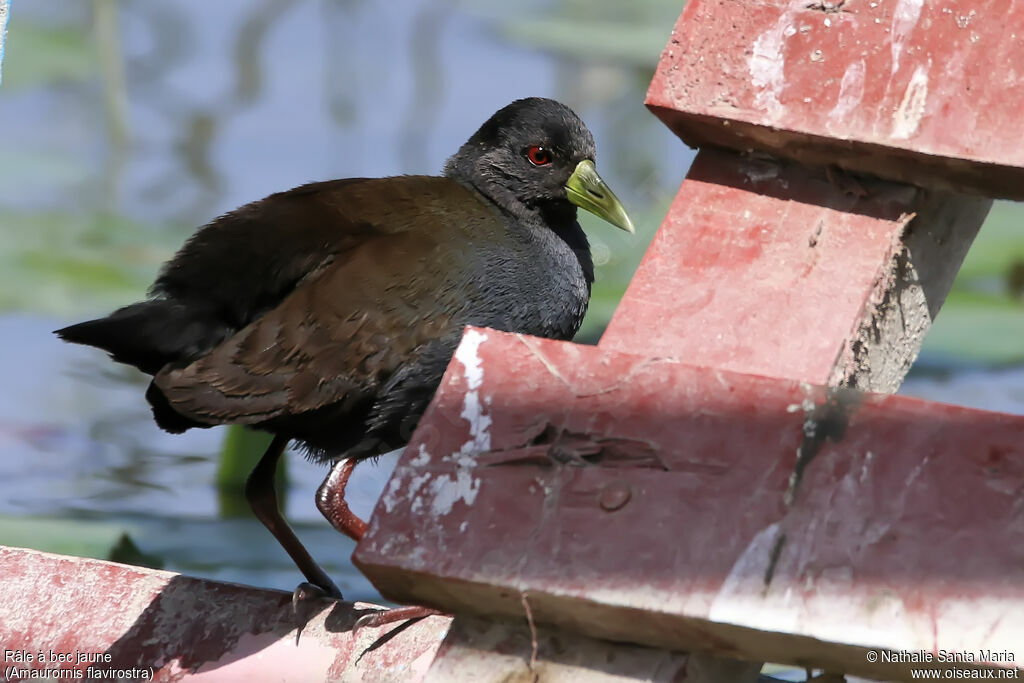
[[259, 491], [330, 500]]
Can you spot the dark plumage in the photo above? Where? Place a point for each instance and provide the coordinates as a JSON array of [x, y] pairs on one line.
[[328, 313]]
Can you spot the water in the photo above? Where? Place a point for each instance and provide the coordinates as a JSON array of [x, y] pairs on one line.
[[113, 150]]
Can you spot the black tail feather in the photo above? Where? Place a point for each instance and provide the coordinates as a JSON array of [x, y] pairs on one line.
[[151, 334]]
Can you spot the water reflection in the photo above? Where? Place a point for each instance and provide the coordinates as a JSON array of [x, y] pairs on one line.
[[128, 123]]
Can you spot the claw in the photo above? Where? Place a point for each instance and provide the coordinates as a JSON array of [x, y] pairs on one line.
[[305, 594], [307, 600]]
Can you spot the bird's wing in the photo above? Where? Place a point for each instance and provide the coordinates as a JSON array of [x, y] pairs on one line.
[[336, 338], [247, 261]]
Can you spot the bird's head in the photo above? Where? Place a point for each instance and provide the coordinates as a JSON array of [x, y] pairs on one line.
[[537, 155]]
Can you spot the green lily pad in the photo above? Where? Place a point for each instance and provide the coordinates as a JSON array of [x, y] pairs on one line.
[[82, 538]]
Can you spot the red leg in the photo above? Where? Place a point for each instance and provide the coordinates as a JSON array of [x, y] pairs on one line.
[[330, 500]]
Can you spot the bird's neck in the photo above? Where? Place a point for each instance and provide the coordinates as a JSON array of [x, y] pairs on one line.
[[562, 221], [554, 219], [551, 217]]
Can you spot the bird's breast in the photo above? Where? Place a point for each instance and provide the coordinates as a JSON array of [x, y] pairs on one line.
[[537, 288]]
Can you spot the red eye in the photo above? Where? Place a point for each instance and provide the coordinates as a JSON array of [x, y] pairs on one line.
[[538, 156]]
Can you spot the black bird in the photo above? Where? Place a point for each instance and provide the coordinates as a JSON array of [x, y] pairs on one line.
[[328, 313]]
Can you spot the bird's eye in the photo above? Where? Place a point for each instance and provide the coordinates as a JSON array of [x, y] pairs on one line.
[[538, 156]]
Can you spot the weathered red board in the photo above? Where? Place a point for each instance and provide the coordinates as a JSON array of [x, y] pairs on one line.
[[668, 523], [924, 92], [770, 268], [511, 651], [155, 625]]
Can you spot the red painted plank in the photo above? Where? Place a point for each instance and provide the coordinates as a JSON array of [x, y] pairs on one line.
[[771, 269], [670, 525], [478, 650], [106, 616], [922, 92]]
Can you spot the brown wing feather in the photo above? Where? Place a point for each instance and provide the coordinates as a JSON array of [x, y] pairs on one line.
[[335, 339]]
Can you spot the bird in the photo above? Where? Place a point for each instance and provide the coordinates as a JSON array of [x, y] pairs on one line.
[[327, 314]]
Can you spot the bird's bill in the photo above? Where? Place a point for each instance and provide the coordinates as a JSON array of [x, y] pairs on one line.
[[588, 191]]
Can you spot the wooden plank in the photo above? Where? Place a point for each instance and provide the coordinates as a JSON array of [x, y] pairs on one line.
[[79, 617], [483, 650], [772, 269], [920, 92], [687, 507], [648, 501]]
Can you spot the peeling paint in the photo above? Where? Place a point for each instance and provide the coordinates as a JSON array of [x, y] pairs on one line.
[[390, 498], [415, 484], [422, 457], [904, 20], [908, 117], [851, 92], [449, 489], [767, 64], [443, 491], [473, 412]]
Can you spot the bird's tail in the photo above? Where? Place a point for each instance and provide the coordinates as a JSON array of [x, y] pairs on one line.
[[150, 334]]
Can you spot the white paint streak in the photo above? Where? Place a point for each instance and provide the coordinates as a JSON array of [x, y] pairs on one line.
[[468, 354], [448, 490], [445, 490], [851, 92], [390, 498], [908, 116], [767, 64], [415, 484], [422, 457], [743, 592], [904, 19]]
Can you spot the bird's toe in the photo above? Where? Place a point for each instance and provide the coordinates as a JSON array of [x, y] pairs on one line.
[[389, 616]]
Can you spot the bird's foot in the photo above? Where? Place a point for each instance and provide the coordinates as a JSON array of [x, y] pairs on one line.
[[389, 616], [306, 595]]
